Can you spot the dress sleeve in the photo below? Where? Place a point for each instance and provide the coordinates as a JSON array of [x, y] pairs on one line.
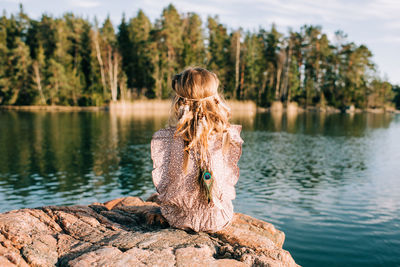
[[160, 154], [234, 152]]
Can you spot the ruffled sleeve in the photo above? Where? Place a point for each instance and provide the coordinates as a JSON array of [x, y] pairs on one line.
[[234, 152], [160, 154]]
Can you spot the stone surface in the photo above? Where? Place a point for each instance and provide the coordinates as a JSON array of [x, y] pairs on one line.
[[131, 232]]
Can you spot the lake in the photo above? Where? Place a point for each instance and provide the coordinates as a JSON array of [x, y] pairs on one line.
[[331, 182]]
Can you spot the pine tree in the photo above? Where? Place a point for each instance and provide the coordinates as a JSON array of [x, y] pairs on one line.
[[271, 43], [254, 68], [21, 93], [134, 43], [217, 49], [109, 58], [37, 75], [86, 54], [59, 75], [233, 67], [4, 61], [193, 41], [170, 39]]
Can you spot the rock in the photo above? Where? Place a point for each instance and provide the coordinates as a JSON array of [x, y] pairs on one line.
[[131, 232]]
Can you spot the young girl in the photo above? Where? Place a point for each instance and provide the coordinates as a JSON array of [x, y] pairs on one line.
[[195, 158]]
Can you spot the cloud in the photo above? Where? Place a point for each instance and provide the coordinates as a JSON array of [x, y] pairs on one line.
[[383, 9], [392, 25], [294, 13], [387, 39], [327, 11], [85, 3], [203, 8], [14, 1]]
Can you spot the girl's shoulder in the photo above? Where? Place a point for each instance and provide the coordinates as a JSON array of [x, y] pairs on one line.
[[231, 134], [234, 132], [167, 132], [235, 128]]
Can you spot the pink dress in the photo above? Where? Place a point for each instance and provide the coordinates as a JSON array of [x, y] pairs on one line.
[[182, 203]]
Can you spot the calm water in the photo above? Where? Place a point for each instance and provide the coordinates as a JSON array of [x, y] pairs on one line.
[[330, 182]]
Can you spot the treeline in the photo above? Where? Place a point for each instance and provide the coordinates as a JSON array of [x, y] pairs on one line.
[[71, 61]]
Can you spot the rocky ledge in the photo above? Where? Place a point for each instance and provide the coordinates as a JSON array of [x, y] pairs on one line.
[[131, 232]]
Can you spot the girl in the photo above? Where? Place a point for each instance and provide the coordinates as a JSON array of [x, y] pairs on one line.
[[195, 158]]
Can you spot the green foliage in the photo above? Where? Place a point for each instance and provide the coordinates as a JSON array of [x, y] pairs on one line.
[[217, 50], [253, 70], [193, 52], [70, 61], [396, 99], [135, 47]]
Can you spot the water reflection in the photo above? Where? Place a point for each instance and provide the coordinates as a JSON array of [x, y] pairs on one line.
[[64, 152], [320, 123], [327, 179], [67, 154], [330, 181]]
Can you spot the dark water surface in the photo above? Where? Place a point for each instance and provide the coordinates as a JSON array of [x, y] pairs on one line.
[[330, 182]]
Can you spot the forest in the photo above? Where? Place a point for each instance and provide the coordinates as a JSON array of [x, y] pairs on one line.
[[75, 62]]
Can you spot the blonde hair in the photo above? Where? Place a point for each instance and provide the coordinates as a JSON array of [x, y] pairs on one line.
[[198, 111]]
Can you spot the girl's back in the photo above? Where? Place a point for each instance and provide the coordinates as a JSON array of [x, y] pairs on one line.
[[195, 158], [182, 200]]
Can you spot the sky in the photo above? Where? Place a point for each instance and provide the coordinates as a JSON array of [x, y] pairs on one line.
[[375, 23]]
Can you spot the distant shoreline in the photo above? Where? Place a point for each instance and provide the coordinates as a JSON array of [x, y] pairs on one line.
[[137, 105], [53, 108], [164, 105]]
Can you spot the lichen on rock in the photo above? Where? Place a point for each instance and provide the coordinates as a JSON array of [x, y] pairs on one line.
[[131, 232]]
